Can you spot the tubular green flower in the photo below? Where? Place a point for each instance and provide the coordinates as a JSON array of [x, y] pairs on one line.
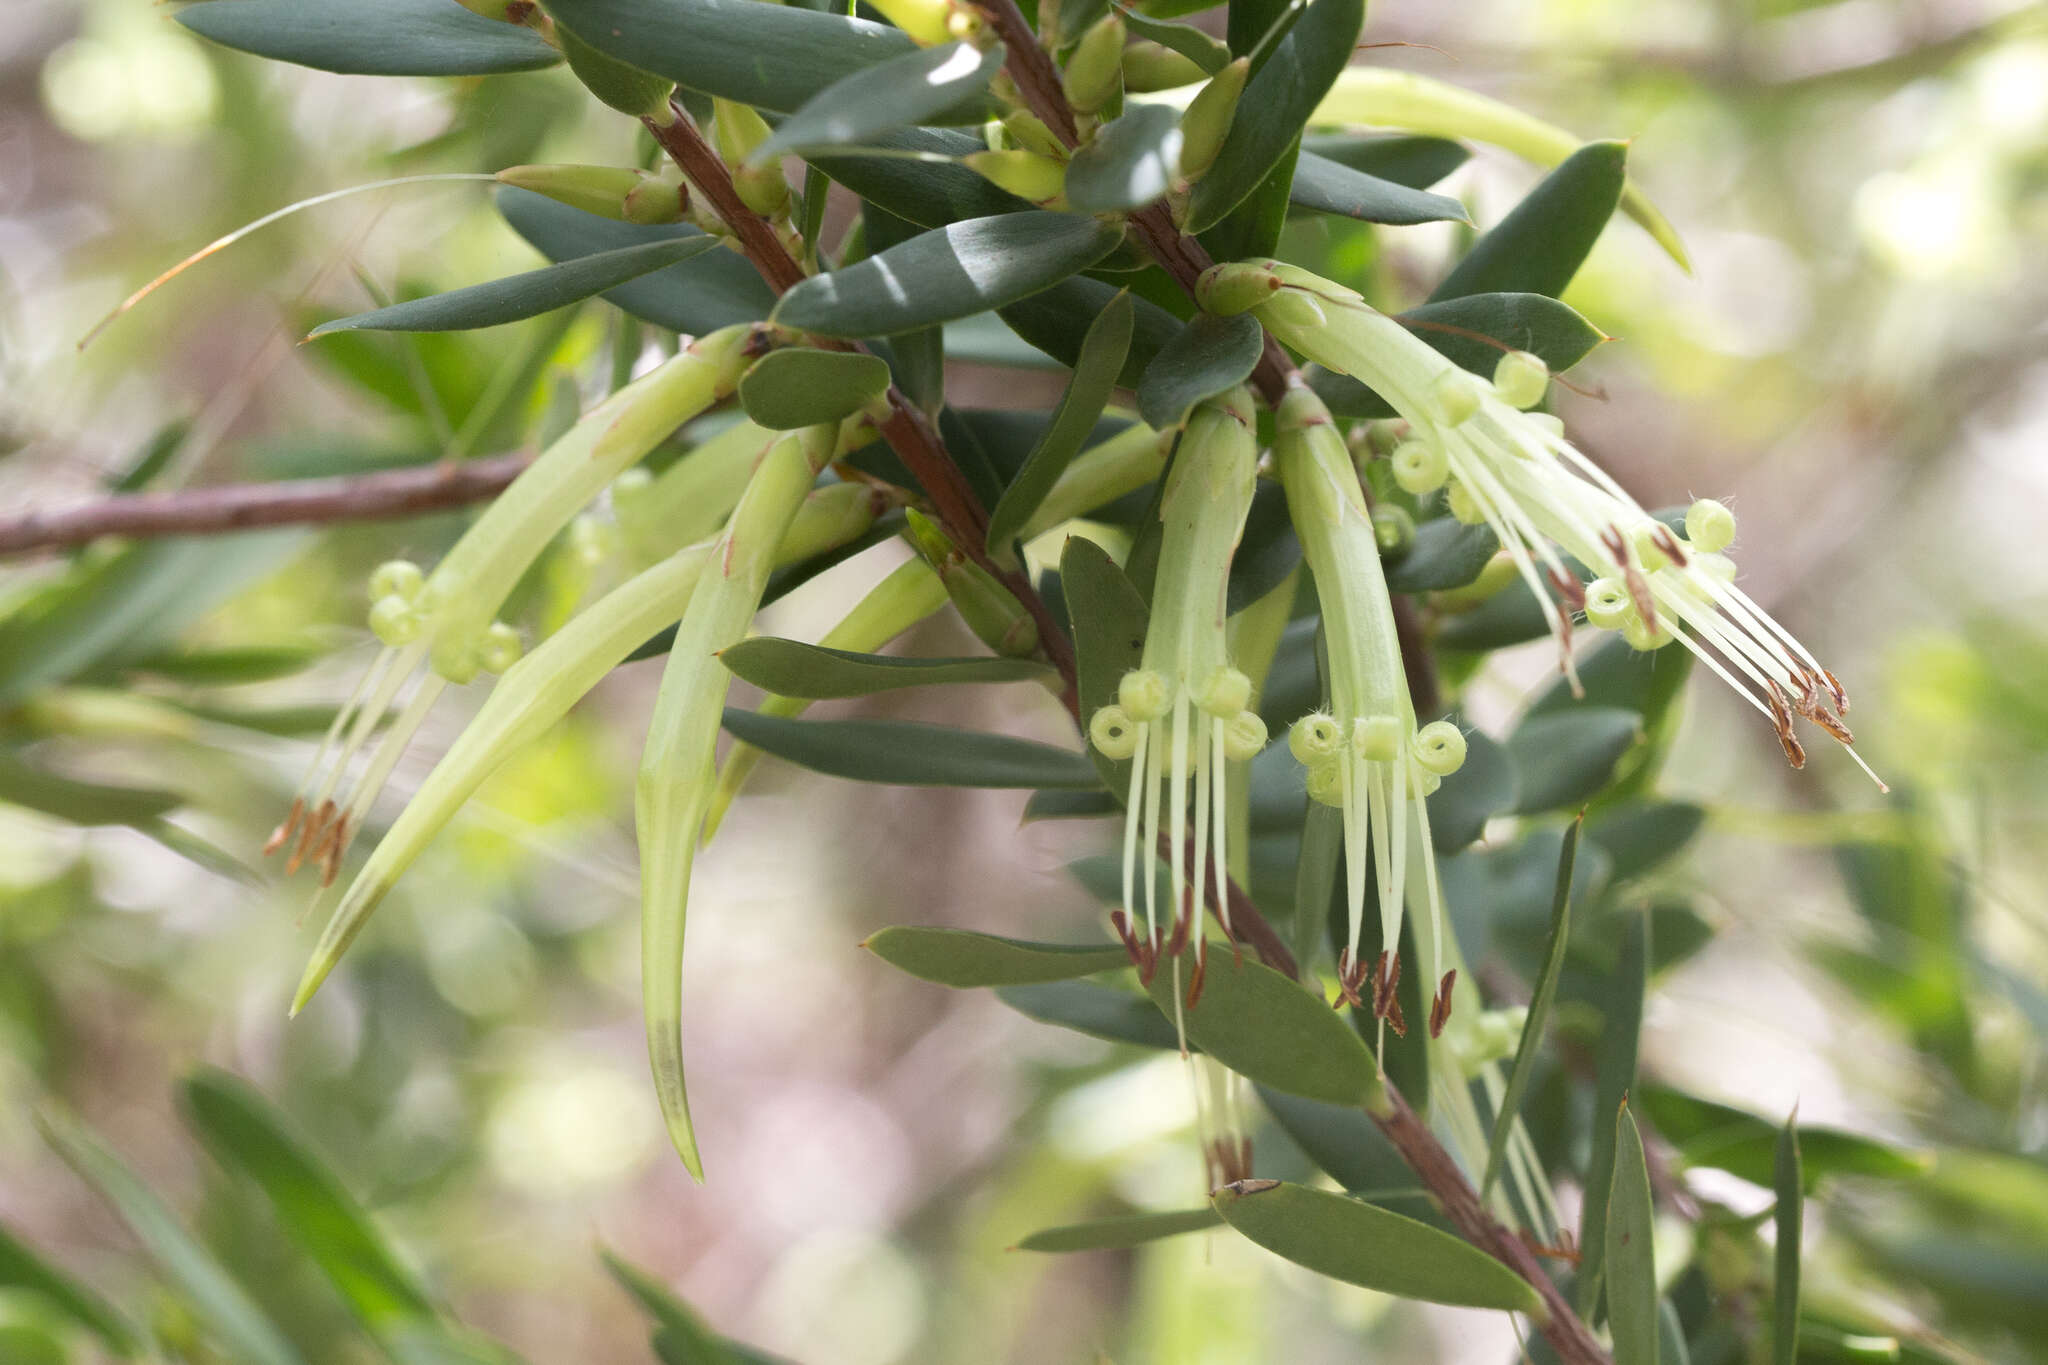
[[1514, 472], [1181, 716], [676, 766]]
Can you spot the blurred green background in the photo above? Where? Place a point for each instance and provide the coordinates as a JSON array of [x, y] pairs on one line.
[[1858, 364]]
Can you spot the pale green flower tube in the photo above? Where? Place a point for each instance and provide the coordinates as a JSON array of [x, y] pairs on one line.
[[676, 775], [661, 513]]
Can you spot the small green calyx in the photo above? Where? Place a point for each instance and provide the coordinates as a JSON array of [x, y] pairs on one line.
[[737, 131], [1207, 121]]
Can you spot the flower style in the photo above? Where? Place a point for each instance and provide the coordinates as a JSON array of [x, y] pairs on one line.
[[1514, 472], [1182, 716]]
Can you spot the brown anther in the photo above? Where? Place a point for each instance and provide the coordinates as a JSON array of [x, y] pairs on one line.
[[1386, 977], [1661, 536], [1828, 721], [1781, 719], [1569, 589], [1396, 1020], [283, 833], [330, 859], [1835, 691], [1632, 577], [1350, 977], [1440, 1008], [1201, 974], [1182, 922], [1140, 949], [309, 837], [1565, 1250]]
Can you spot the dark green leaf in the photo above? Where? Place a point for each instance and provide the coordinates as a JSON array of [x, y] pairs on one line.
[[790, 668], [1483, 788], [1267, 550], [1189, 41], [1790, 1218], [21, 1268], [710, 291], [901, 92], [1209, 356], [1056, 321], [625, 88], [1088, 390], [517, 297], [1131, 1230], [1446, 554], [1465, 330], [1631, 1249], [1347, 1239], [928, 193], [1614, 1080], [1538, 248], [1417, 162], [1613, 674], [80, 803], [371, 37], [1104, 1012], [775, 59], [1331, 187], [1744, 1145], [911, 754], [963, 958], [1562, 759], [1269, 1029], [801, 386], [214, 1295], [313, 1207], [221, 667], [1317, 858], [1108, 617], [1341, 1141], [1639, 836], [1277, 101], [957, 271], [1539, 1009], [1130, 163], [1072, 805]]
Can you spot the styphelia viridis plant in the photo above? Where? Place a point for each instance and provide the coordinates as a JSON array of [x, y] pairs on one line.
[[1513, 471]]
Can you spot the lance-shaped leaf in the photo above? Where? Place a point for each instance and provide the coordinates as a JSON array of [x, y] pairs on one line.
[[220, 1302], [21, 1268], [963, 958], [81, 803], [1132, 1229], [1087, 393], [1417, 162], [712, 290], [1190, 42], [679, 1333], [315, 1210], [1790, 1220], [914, 88], [1539, 246], [1563, 758], [1130, 163], [790, 668], [1539, 1010], [1641, 835], [912, 754], [1104, 1012], [801, 386], [1631, 1249], [1743, 1144], [952, 272], [1474, 331], [1211, 355], [1269, 1029], [371, 37], [1278, 99], [1056, 321], [929, 193], [774, 59], [517, 297], [1108, 616], [1332, 187], [1614, 1079], [1359, 1243]]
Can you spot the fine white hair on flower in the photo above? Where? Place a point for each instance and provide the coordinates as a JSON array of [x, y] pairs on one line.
[[1514, 472]]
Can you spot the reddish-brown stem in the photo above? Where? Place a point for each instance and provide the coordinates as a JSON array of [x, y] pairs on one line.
[[244, 506]]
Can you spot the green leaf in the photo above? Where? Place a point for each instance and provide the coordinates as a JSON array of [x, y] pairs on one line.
[[775, 59], [1277, 101], [1072, 805], [1347, 1239], [1210, 355], [1743, 1144], [313, 1207], [957, 271], [1446, 554], [1485, 787], [801, 386], [912, 754], [1790, 1220], [1539, 247], [1631, 1249], [1108, 617], [80, 803], [1088, 390], [1315, 876], [1563, 758], [227, 666], [1347, 1146], [625, 88], [789, 668], [1614, 1081], [1190, 42], [901, 92], [1540, 1002], [1328, 186], [1464, 330], [371, 37], [517, 297], [22, 1269], [1269, 1029], [963, 958], [928, 193], [1133, 1229], [213, 1294], [1405, 159], [1056, 321], [1131, 162], [1641, 835], [709, 291], [679, 1333], [1105, 1012]]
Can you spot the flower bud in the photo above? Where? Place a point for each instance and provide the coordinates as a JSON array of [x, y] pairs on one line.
[[601, 190], [394, 621], [400, 578], [736, 131], [1028, 131], [1094, 68], [656, 200], [625, 88], [1244, 738], [1440, 748], [1113, 733], [1709, 526], [1607, 603], [1456, 397], [1521, 379], [1393, 530], [1463, 505], [1420, 466], [1145, 694], [1225, 693], [1208, 118], [1149, 66], [1028, 175], [1314, 738], [1235, 287], [1293, 308], [990, 610]]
